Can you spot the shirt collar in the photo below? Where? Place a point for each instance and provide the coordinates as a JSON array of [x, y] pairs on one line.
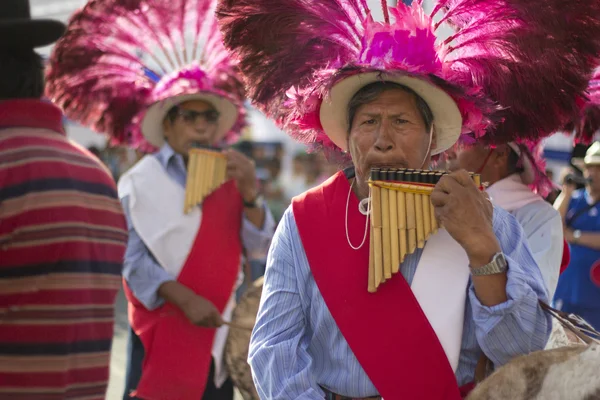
[[167, 155], [31, 113]]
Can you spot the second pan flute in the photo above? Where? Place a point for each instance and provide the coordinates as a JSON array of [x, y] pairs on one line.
[[402, 217], [207, 170]]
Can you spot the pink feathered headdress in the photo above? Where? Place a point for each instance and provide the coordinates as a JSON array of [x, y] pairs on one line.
[[123, 63], [512, 69], [587, 124]]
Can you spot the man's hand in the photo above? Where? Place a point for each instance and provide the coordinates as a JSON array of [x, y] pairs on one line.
[[201, 312], [198, 310], [568, 235], [568, 188], [466, 213], [243, 171]]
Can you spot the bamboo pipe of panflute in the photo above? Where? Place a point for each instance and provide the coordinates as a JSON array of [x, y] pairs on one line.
[[401, 202], [376, 231], [419, 220], [372, 287], [385, 229], [206, 172], [394, 233], [199, 183], [433, 220], [411, 221], [399, 218], [210, 173], [427, 178]]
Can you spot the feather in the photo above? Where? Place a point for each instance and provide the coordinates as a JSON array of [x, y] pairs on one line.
[[516, 68], [533, 57], [587, 123], [313, 45], [303, 37], [120, 56]]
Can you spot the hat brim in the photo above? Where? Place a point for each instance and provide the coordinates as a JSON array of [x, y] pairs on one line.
[[28, 33], [447, 120], [588, 160], [152, 123]]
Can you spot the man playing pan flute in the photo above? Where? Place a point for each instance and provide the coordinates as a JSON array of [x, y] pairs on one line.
[[181, 269], [382, 93], [511, 171]]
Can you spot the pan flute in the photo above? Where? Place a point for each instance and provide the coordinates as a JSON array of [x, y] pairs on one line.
[[207, 170], [402, 217]]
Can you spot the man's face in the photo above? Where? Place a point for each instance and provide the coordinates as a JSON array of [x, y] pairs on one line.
[[592, 172], [195, 122], [389, 131], [470, 159]]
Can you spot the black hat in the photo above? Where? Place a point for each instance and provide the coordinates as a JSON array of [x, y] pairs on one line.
[[18, 30]]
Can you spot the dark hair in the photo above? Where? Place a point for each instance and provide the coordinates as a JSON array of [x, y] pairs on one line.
[[22, 74], [513, 161], [370, 92], [172, 114], [95, 151]]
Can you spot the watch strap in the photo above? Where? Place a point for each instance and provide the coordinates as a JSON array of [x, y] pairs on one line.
[[255, 203], [498, 265]]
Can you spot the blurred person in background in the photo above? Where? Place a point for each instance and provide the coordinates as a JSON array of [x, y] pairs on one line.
[[578, 289], [511, 170], [62, 233], [312, 168], [294, 182], [274, 190]]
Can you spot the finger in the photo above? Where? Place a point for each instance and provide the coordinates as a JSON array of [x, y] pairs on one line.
[[233, 174], [440, 213], [439, 198], [236, 155], [447, 184], [486, 195], [219, 320], [462, 177]]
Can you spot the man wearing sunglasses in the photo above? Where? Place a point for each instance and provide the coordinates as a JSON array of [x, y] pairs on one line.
[[150, 277]]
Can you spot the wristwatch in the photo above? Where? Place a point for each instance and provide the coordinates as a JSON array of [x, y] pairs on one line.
[[576, 235], [256, 203], [498, 265]]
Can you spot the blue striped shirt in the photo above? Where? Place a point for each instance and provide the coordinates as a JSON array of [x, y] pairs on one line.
[[142, 272], [296, 346]]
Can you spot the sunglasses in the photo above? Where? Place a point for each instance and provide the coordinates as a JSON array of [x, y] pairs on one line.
[[191, 117]]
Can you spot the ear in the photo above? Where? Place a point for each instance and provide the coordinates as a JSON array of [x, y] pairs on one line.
[[167, 128], [501, 153]]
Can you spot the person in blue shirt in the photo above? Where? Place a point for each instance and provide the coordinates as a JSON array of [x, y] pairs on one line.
[[578, 290]]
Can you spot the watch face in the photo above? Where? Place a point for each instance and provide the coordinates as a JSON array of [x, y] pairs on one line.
[[577, 234], [259, 202]]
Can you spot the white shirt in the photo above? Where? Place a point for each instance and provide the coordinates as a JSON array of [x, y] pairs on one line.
[[540, 221]]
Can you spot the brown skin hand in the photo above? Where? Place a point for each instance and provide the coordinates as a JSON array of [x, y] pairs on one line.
[[390, 131], [181, 136]]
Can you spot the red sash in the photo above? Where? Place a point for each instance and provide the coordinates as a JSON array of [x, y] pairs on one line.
[[178, 354], [387, 331]]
